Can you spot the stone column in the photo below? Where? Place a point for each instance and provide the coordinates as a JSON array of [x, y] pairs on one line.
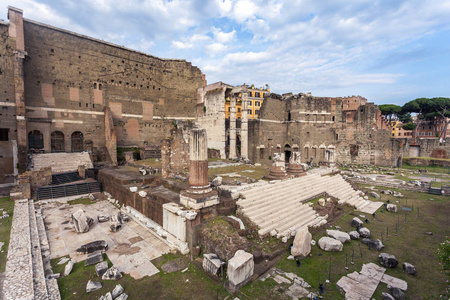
[[15, 17], [244, 127], [232, 154], [295, 167], [199, 194], [198, 156]]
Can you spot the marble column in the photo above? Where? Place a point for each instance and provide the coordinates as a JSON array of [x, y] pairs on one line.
[[232, 153], [198, 156], [199, 194], [244, 127]]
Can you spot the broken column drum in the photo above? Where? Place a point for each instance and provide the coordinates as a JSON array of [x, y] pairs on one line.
[[199, 194], [295, 167], [277, 171]]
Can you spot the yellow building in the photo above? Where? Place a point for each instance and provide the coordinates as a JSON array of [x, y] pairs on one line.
[[397, 130], [255, 101]]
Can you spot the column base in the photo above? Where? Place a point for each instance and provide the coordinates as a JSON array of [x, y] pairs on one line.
[[198, 201]]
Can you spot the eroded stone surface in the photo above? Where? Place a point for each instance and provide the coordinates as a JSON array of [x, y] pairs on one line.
[[330, 244], [302, 242], [341, 236], [240, 268]]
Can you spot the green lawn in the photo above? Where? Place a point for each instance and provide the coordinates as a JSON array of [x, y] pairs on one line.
[[192, 284], [150, 162], [256, 172], [85, 201], [5, 229]]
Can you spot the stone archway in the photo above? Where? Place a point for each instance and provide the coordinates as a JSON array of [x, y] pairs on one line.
[[57, 141], [77, 142], [35, 140], [287, 152]]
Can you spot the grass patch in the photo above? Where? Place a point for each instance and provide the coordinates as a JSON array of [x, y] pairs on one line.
[[256, 174], [428, 158], [192, 284], [5, 229], [214, 159], [151, 162], [84, 201], [432, 168]]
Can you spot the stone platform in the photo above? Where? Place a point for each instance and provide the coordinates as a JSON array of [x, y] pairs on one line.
[[131, 249], [61, 162]]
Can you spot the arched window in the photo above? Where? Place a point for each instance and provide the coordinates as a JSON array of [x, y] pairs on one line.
[[35, 140], [77, 142], [57, 141], [289, 115]]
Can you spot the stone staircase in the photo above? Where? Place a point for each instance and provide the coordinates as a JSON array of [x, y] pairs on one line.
[[279, 206], [25, 277], [61, 162]]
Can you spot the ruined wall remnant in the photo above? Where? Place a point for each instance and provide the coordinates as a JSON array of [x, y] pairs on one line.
[[228, 136], [322, 130], [175, 153]]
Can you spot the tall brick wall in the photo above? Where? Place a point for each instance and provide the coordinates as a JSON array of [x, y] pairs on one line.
[[7, 103], [70, 79]]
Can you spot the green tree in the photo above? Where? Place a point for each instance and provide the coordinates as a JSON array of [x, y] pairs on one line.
[[409, 126], [390, 111], [430, 109]]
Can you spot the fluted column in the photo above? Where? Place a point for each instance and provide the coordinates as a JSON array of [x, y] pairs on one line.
[[232, 154], [244, 127]]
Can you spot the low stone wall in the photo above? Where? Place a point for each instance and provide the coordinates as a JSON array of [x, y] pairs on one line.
[[414, 161], [151, 206], [408, 186]]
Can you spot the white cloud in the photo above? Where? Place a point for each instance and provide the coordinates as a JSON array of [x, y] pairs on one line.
[[194, 41], [244, 10], [215, 48], [223, 37]]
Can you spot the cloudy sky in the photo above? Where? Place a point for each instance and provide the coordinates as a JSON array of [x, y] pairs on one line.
[[389, 51]]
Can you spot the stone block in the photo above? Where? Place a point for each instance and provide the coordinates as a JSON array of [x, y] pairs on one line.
[[240, 269], [302, 242], [341, 236], [81, 221], [330, 244], [93, 286], [101, 268], [212, 263], [94, 258], [93, 246]]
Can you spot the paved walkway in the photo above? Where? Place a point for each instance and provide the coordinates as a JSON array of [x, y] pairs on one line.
[[18, 282], [131, 249]]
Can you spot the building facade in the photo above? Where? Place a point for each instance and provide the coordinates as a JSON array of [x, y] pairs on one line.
[[255, 99], [432, 128]]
